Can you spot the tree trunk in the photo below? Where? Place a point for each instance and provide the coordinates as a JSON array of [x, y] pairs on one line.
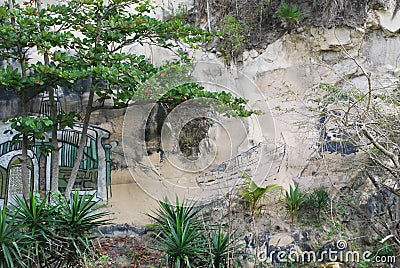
[[26, 176], [54, 139], [208, 16], [53, 116], [42, 176], [24, 168], [81, 147], [54, 142], [86, 121]]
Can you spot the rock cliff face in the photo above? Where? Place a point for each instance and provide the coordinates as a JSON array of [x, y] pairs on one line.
[[276, 78]]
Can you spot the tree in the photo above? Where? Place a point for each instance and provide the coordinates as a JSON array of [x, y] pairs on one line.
[[368, 119], [21, 33], [88, 44], [53, 113]]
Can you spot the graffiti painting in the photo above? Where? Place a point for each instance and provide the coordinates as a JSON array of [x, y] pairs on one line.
[[94, 175]]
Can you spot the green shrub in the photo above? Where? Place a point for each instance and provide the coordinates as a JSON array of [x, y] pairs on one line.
[[76, 220], [289, 14], [233, 38], [317, 201], [181, 234], [14, 244], [37, 216], [223, 247]]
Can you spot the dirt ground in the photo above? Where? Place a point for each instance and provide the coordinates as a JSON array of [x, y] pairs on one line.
[[127, 251]]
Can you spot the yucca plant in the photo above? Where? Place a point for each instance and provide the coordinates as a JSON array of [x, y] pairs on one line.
[[14, 243], [179, 234], [75, 222], [222, 247], [293, 200], [254, 194], [37, 216], [37, 233]]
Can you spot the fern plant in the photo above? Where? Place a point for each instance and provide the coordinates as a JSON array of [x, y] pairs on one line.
[[293, 200]]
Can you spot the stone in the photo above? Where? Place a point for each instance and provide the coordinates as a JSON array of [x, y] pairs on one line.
[[281, 239], [386, 21], [253, 53], [337, 37], [246, 55]]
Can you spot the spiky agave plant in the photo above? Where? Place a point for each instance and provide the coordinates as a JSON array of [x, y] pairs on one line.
[[317, 200], [37, 216], [14, 243], [223, 246], [179, 233], [75, 222]]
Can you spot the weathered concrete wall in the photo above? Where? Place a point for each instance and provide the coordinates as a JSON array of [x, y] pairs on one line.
[[284, 72], [275, 79]]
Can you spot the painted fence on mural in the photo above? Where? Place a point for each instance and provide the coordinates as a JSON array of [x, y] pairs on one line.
[[94, 175]]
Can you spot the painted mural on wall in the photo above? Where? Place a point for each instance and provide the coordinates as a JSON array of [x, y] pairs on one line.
[[94, 173]]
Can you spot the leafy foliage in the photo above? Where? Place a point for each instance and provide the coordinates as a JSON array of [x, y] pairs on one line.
[[33, 127], [293, 201], [254, 194], [289, 14], [85, 41], [234, 39], [222, 101]]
